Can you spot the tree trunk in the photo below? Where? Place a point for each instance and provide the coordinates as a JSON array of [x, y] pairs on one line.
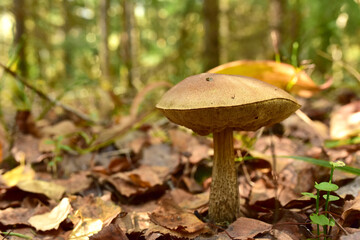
[[211, 37], [276, 19], [104, 47], [224, 30], [67, 57], [20, 32], [128, 44]]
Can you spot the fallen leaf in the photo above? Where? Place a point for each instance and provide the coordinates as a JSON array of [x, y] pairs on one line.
[[187, 143], [282, 75], [351, 211], [21, 215], [139, 180], [134, 222], [77, 182], [60, 129], [49, 189], [247, 228], [171, 216], [91, 214], [160, 155], [345, 121], [28, 145], [20, 173], [95, 208], [111, 232], [353, 236], [85, 228], [52, 219]]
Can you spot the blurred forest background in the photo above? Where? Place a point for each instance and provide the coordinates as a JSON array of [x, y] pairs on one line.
[[95, 55]]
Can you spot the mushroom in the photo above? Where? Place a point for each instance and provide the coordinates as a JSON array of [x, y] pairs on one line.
[[218, 104]]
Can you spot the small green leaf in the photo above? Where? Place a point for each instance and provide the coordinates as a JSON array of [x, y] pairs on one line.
[[337, 164], [332, 222], [319, 219], [311, 195], [48, 141], [66, 148], [325, 186], [331, 197]]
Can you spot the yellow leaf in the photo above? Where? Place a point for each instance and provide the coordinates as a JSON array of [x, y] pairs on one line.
[[282, 75], [49, 189], [52, 219], [20, 173]]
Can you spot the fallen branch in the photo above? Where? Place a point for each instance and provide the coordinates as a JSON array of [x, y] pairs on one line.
[[48, 98]]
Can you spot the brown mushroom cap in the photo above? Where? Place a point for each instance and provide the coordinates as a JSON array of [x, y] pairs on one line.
[[211, 102]]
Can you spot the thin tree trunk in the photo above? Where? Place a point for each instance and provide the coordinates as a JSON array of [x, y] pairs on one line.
[[128, 42], [224, 30], [67, 48], [276, 18], [104, 47], [211, 37], [20, 31]]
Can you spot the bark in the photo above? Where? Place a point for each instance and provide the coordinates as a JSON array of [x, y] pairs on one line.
[[224, 30], [224, 205], [104, 47], [276, 18], [20, 31], [211, 37], [128, 42], [67, 57]]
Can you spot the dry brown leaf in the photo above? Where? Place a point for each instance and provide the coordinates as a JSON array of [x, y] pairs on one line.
[[111, 232], [14, 216], [345, 121], [76, 183], [160, 155], [49, 189], [139, 180], [172, 217], [90, 215], [95, 208], [352, 236], [195, 201], [351, 211], [136, 221], [28, 145], [52, 219], [187, 143], [247, 228], [155, 232], [60, 129]]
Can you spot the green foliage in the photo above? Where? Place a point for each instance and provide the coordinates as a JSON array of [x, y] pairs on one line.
[[323, 163], [326, 186], [59, 147], [324, 220]]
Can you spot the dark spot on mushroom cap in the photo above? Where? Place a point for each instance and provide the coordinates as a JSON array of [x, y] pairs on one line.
[[209, 79]]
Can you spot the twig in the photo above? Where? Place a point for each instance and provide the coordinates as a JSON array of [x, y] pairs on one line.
[[15, 234], [339, 225], [343, 64], [48, 98]]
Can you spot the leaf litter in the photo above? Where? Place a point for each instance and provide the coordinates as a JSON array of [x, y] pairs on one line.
[[152, 182]]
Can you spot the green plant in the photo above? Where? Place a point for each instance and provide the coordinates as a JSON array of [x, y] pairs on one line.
[[325, 220], [58, 152]]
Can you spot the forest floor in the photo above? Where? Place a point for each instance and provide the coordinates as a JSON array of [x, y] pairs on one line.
[[153, 181]]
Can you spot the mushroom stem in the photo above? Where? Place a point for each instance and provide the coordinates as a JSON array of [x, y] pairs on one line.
[[224, 205]]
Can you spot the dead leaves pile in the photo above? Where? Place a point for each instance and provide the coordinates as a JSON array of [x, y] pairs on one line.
[[154, 184]]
